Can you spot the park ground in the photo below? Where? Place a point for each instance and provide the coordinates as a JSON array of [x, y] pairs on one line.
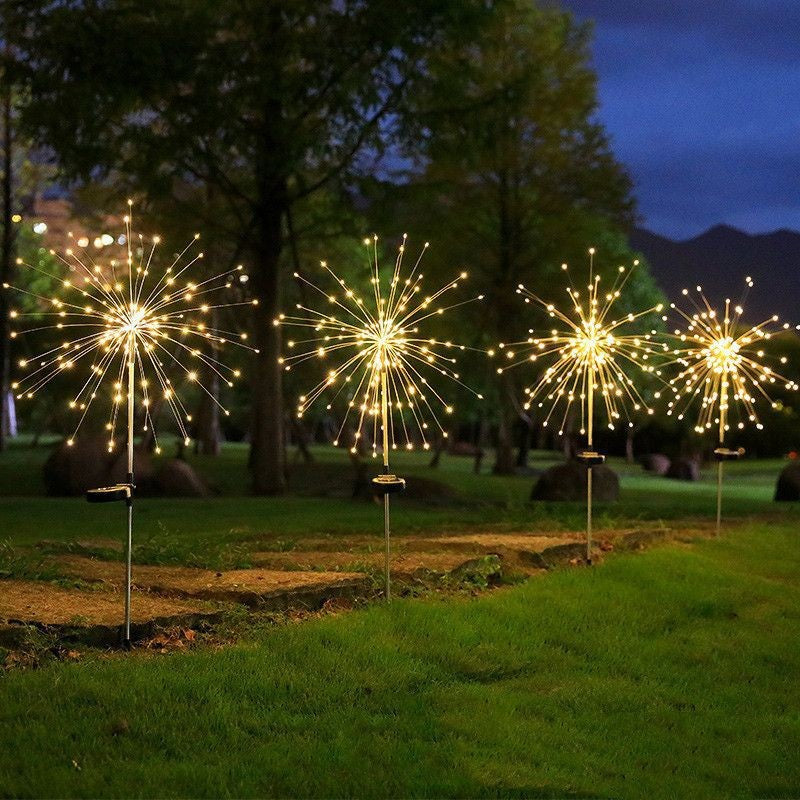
[[666, 672]]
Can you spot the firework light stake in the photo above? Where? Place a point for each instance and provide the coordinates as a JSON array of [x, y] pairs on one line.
[[138, 328], [386, 367], [718, 366], [590, 352]]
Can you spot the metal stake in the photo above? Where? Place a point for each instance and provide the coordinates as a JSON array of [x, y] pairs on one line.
[[385, 419], [723, 412], [387, 559], [589, 472], [589, 514], [129, 543]]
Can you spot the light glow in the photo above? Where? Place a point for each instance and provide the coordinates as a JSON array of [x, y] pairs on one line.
[[375, 354], [115, 318], [722, 364], [590, 353]]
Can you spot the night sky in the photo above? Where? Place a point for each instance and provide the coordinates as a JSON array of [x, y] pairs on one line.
[[702, 100]]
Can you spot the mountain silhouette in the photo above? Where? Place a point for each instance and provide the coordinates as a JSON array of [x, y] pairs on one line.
[[720, 259]]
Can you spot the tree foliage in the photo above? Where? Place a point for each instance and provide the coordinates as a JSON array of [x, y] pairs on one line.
[[274, 125], [263, 100], [523, 173]]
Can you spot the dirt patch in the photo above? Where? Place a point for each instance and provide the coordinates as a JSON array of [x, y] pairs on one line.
[[518, 551], [81, 545], [101, 544], [320, 572], [34, 601], [362, 545], [401, 563], [94, 617], [264, 588], [491, 542], [413, 555]]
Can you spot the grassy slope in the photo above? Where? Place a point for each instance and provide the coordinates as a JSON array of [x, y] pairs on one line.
[[667, 674]]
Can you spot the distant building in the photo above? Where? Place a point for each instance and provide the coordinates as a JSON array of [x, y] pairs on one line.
[[54, 217]]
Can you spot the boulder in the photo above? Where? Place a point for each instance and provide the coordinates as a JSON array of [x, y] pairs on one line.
[[568, 482], [428, 490], [684, 469], [788, 487], [72, 469], [143, 470], [657, 463], [176, 478]]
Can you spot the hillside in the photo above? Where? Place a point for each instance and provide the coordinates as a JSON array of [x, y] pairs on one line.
[[721, 258]]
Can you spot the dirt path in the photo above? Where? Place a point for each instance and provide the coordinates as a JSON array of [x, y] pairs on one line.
[[305, 578]]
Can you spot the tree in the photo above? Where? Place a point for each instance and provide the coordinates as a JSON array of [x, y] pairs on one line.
[[20, 179], [265, 101], [518, 167], [7, 254]]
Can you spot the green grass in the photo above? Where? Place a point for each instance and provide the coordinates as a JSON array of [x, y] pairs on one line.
[[667, 674], [221, 531]]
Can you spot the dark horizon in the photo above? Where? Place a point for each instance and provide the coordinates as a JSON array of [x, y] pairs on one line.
[[717, 227]]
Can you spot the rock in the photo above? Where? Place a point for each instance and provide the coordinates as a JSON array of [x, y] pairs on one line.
[[684, 469], [568, 482], [788, 487], [656, 463], [87, 464], [72, 469], [143, 470], [428, 490], [482, 571], [176, 478]]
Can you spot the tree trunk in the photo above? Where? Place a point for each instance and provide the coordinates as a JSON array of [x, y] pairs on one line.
[[439, 448], [569, 440], [524, 447], [542, 438], [267, 449], [480, 445], [629, 434], [302, 438], [6, 261], [207, 433], [504, 455]]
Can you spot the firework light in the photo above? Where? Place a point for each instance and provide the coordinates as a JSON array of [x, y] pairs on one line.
[[117, 321], [592, 353], [124, 327], [382, 364], [723, 370]]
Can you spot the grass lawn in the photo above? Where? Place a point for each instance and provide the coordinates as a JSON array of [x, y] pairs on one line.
[[671, 673], [220, 531]]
